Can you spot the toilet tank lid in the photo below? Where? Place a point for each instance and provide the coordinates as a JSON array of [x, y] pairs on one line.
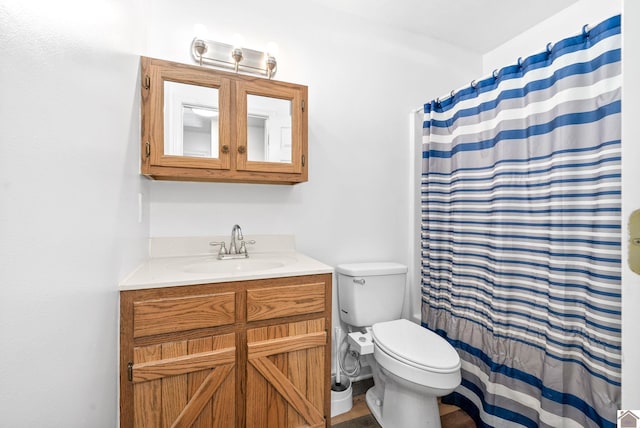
[[371, 269]]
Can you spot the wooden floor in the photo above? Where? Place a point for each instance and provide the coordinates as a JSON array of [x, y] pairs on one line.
[[360, 417]]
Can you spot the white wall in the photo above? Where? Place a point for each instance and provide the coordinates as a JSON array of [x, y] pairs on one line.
[[565, 24], [363, 82], [69, 183], [69, 144]]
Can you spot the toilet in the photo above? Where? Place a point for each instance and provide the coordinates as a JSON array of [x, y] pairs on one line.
[[411, 365]]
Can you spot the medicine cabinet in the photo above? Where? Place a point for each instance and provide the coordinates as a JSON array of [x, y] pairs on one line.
[[202, 124]]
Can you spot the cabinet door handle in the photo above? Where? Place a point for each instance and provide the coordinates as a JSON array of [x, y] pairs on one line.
[[242, 149], [225, 149]]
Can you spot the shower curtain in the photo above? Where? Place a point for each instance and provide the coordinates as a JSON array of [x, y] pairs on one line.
[[521, 263]]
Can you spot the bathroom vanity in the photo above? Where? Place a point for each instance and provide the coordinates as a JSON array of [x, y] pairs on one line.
[[219, 343]]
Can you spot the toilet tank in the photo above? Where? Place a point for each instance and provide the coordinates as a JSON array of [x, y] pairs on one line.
[[370, 292]]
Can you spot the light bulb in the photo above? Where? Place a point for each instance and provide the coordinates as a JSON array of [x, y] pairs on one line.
[[200, 31], [238, 41], [272, 49]]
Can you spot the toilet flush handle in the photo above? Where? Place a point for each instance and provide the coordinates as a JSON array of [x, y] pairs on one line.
[[360, 281]]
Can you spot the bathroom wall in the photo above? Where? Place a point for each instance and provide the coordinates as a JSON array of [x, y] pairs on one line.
[[363, 81], [69, 183], [567, 23], [70, 223], [75, 214]]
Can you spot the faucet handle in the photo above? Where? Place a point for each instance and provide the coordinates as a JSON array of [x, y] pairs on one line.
[[243, 246], [223, 249]]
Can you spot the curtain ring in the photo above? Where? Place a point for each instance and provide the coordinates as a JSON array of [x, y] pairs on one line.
[[549, 47], [438, 102], [474, 84], [520, 61], [586, 30], [495, 73], [453, 93]]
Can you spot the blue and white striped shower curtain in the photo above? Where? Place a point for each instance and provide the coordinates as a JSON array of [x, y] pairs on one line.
[[521, 263]]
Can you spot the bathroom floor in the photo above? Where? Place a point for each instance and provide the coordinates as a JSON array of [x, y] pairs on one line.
[[360, 417]]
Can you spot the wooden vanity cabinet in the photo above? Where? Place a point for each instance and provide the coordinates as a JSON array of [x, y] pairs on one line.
[[240, 128], [288, 376], [238, 354]]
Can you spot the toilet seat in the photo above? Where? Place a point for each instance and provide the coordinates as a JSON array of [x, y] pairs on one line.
[[415, 346], [416, 356]]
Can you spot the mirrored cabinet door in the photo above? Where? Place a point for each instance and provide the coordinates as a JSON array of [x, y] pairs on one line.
[[191, 121], [269, 127], [193, 127]]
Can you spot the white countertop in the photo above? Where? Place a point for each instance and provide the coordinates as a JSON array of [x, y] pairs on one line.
[[188, 261]]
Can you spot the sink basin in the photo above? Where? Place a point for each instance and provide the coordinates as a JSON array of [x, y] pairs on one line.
[[249, 265]]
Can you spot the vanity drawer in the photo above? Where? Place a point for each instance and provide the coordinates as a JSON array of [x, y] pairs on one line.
[[169, 315], [283, 301]]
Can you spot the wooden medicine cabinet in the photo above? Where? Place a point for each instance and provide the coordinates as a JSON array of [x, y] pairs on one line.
[[202, 124]]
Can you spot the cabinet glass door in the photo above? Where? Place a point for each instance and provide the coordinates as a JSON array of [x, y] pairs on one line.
[[269, 128], [195, 132], [191, 120], [193, 129]]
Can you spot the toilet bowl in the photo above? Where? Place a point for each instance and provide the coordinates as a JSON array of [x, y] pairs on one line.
[[412, 366]]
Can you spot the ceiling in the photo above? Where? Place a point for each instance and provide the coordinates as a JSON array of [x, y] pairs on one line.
[[476, 25]]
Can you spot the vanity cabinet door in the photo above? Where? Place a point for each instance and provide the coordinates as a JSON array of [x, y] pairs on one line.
[[178, 357], [286, 379], [187, 383]]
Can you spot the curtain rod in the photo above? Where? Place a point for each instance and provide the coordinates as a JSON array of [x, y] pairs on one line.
[[474, 83]]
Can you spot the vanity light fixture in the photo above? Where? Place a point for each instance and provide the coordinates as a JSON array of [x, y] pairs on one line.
[[200, 47], [272, 51], [235, 57]]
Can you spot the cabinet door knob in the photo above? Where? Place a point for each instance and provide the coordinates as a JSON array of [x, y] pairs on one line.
[[242, 149], [225, 149]]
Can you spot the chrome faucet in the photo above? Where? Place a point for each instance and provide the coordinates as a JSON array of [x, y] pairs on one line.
[[234, 252], [236, 233]]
